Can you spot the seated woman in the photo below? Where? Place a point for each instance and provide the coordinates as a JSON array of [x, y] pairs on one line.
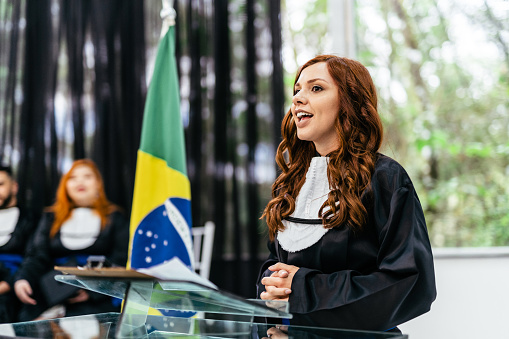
[[349, 246], [82, 222]]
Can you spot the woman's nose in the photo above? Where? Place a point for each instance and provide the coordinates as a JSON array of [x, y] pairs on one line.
[[298, 98]]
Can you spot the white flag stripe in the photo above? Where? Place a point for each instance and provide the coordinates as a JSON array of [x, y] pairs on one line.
[[180, 224]]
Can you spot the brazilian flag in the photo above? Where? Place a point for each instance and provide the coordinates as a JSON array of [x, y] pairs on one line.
[[161, 212]]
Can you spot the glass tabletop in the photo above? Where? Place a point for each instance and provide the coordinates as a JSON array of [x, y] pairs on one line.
[[103, 326], [183, 308]]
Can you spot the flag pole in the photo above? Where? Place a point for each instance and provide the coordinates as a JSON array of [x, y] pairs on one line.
[[168, 15]]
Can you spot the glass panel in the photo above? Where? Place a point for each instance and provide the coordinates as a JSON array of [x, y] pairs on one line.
[[168, 327], [321, 332], [136, 306], [103, 326], [88, 326], [180, 296]]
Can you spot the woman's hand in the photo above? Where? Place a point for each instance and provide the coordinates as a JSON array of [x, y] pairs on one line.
[[4, 287], [82, 296], [278, 285], [24, 291], [278, 332]]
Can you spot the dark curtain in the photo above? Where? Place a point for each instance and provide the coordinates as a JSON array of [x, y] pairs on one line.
[[231, 58], [11, 33], [93, 56], [35, 174], [117, 29], [113, 33]]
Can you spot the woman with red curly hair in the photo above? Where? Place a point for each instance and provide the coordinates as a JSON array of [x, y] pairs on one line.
[[81, 222], [349, 246]]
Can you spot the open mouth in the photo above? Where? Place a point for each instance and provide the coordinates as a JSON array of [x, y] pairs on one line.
[[304, 115]]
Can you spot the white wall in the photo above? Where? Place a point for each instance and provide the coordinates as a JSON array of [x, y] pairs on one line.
[[473, 296]]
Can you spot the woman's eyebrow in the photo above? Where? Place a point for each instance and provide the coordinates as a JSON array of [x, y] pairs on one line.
[[315, 80], [311, 81]]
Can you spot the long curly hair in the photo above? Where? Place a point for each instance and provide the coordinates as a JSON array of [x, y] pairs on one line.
[[63, 206], [359, 131]]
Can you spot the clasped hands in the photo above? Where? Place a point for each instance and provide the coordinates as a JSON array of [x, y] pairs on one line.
[[278, 285]]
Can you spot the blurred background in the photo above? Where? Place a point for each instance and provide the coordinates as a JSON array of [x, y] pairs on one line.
[[74, 75]]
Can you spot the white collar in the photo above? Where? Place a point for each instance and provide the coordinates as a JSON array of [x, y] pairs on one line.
[[81, 229], [298, 236], [8, 221]]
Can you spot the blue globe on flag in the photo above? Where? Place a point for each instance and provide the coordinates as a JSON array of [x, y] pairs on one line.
[[163, 234]]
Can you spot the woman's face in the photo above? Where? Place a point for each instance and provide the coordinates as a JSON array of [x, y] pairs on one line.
[[83, 186], [315, 107]]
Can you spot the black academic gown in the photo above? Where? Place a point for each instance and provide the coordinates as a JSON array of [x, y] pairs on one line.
[[16, 245], [374, 279], [44, 253]]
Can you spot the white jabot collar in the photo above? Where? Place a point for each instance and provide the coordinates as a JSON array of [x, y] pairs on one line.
[[298, 236], [8, 221], [81, 229]]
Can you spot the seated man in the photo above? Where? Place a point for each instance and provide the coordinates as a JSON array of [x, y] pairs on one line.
[[15, 231]]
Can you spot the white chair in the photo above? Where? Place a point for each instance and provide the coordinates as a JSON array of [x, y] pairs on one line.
[[203, 240]]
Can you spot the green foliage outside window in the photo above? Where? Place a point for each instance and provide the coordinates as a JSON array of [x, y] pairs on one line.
[[442, 72]]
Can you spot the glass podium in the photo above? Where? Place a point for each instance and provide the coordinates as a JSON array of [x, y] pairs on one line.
[[174, 309]]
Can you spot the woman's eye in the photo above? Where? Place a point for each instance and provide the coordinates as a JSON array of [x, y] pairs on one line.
[[316, 88], [295, 91]]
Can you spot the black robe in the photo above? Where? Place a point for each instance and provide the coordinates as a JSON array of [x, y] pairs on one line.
[[374, 279], [16, 245], [44, 253]]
